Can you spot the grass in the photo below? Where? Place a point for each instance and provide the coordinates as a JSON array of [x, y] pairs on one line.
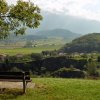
[[58, 89], [29, 50]]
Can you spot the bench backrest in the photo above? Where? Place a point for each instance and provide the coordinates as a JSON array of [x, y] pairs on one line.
[[15, 75]]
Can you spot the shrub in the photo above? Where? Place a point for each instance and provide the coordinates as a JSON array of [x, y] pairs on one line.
[[92, 69], [69, 73], [36, 56]]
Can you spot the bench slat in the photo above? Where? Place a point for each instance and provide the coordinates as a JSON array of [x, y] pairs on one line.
[[11, 73], [12, 80]]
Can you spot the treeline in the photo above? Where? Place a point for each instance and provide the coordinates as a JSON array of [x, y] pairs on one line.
[[45, 67], [61, 66]]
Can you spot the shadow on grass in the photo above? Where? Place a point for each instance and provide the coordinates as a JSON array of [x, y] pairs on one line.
[[10, 93]]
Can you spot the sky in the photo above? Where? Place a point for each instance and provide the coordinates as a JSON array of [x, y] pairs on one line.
[[88, 9]]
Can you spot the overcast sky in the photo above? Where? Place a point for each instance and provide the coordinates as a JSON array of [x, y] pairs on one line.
[[89, 9]]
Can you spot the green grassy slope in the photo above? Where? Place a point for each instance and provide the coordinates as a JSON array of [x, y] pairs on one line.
[[59, 89]]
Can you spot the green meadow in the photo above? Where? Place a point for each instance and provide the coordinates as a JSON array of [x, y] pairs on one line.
[[57, 89], [37, 49]]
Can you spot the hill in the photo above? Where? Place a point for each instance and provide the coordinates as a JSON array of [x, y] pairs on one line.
[[85, 44], [65, 34], [57, 89]]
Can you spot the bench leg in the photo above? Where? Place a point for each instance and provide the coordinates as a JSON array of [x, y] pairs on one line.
[[26, 83], [24, 86]]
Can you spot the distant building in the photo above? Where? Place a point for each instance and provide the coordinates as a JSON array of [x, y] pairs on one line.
[[19, 55], [62, 54]]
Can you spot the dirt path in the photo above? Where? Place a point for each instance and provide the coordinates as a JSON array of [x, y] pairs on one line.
[[18, 85]]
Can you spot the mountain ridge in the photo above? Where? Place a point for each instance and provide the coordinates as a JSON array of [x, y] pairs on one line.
[[58, 32]]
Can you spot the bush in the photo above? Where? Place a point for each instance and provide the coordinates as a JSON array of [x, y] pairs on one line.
[[69, 73], [36, 56], [92, 69]]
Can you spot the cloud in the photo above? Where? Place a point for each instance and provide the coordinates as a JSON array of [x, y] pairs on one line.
[[88, 9]]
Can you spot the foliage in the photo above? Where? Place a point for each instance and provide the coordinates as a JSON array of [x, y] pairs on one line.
[[92, 68], [58, 66], [16, 18], [39, 65], [50, 53], [85, 44], [69, 73], [36, 56]]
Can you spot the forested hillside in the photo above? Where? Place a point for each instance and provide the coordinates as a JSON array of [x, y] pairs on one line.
[[85, 44]]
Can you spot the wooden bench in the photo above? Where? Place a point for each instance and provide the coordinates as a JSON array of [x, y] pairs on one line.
[[16, 77]]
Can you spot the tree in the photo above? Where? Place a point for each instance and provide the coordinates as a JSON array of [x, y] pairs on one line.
[[16, 18], [92, 68], [36, 56]]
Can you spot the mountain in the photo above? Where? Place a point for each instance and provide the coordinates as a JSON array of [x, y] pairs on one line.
[[85, 44], [65, 34], [75, 24]]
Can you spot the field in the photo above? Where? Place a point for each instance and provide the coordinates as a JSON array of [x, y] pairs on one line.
[[37, 49], [58, 89], [40, 45]]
